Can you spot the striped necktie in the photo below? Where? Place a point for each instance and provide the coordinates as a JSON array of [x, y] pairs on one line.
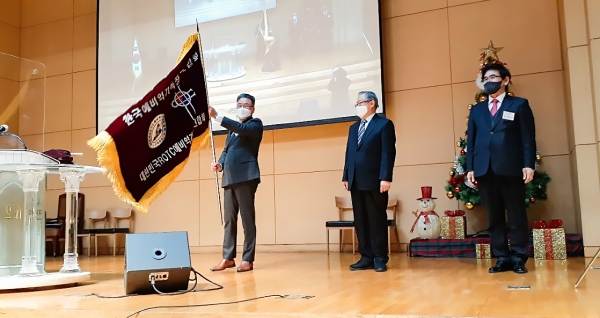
[[361, 129]]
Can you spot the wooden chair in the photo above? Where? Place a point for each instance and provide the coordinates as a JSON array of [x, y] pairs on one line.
[[343, 205], [96, 216], [118, 215], [393, 208], [56, 227]]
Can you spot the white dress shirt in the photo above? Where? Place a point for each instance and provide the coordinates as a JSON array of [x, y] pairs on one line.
[[368, 119]]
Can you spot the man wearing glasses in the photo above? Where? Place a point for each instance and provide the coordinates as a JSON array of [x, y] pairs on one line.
[[368, 169], [241, 176], [501, 153]]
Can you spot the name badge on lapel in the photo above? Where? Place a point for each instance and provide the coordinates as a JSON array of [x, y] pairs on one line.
[[508, 115]]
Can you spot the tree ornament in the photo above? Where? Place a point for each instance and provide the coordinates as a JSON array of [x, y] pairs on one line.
[[469, 206], [457, 189], [469, 106], [538, 157], [462, 152], [532, 200], [451, 173], [458, 144], [511, 94], [482, 98], [450, 195]]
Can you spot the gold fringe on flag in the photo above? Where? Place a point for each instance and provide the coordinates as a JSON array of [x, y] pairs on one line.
[[108, 158]]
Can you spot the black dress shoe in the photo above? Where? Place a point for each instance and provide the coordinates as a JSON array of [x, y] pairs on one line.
[[520, 268], [501, 267], [362, 265], [381, 268]]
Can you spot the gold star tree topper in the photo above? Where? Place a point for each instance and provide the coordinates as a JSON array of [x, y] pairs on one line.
[[489, 54]]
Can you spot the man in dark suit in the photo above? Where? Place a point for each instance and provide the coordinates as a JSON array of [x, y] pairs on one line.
[[241, 176], [368, 169], [501, 152]]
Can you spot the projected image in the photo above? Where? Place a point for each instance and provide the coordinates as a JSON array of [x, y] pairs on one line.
[[303, 60], [188, 11]]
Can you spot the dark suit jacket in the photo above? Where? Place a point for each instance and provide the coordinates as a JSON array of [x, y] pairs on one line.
[[239, 159], [372, 161], [506, 145]]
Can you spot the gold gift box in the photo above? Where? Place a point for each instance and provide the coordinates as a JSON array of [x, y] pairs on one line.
[[453, 227], [483, 251], [549, 244]]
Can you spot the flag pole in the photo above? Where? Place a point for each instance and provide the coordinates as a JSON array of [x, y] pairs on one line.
[[212, 140]]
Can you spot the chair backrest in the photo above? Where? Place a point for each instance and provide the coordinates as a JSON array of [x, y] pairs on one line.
[[62, 209], [392, 206], [343, 204], [95, 215], [119, 214]]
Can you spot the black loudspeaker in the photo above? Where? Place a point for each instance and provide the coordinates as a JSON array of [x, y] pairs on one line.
[[164, 257]]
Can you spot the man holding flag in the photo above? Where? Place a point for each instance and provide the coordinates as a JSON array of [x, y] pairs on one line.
[[241, 176]]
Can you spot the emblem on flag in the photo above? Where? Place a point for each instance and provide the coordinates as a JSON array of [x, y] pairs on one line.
[[184, 99], [157, 131], [143, 157]]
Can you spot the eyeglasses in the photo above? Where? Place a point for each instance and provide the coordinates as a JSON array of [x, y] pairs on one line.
[[491, 78], [247, 106], [362, 102]]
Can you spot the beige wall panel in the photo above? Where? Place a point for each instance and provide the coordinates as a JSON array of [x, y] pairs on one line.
[[36, 12], [84, 100], [542, 34], [59, 100], [51, 44], [308, 149], [11, 12], [423, 122], [81, 7], [394, 8], [11, 39], [84, 42], [411, 59], [581, 95]]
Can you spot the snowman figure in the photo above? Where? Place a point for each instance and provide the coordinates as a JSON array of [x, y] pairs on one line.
[[427, 222]]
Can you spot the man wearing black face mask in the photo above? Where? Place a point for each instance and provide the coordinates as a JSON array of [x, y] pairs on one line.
[[241, 176], [501, 153]]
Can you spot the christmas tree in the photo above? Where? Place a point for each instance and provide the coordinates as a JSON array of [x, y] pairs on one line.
[[458, 186]]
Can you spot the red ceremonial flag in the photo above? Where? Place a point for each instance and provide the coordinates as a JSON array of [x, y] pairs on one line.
[[147, 147]]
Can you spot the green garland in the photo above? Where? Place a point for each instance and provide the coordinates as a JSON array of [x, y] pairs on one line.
[[459, 189]]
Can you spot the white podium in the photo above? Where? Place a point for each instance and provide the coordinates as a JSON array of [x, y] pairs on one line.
[[22, 227]]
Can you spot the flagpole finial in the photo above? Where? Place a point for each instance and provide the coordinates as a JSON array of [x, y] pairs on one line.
[[197, 26]]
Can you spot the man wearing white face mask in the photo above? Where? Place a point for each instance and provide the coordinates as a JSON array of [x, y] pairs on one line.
[[241, 176], [368, 169]]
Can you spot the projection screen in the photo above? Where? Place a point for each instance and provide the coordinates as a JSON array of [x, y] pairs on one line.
[[303, 60]]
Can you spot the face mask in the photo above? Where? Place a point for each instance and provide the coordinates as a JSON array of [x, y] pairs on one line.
[[243, 113], [361, 111], [492, 87]]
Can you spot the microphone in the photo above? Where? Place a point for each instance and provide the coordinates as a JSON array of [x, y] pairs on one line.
[[3, 128]]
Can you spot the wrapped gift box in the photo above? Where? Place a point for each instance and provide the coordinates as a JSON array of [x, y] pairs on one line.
[[549, 243], [483, 251], [454, 227]]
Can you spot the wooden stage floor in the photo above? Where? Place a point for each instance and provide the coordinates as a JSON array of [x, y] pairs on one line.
[[417, 287]]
